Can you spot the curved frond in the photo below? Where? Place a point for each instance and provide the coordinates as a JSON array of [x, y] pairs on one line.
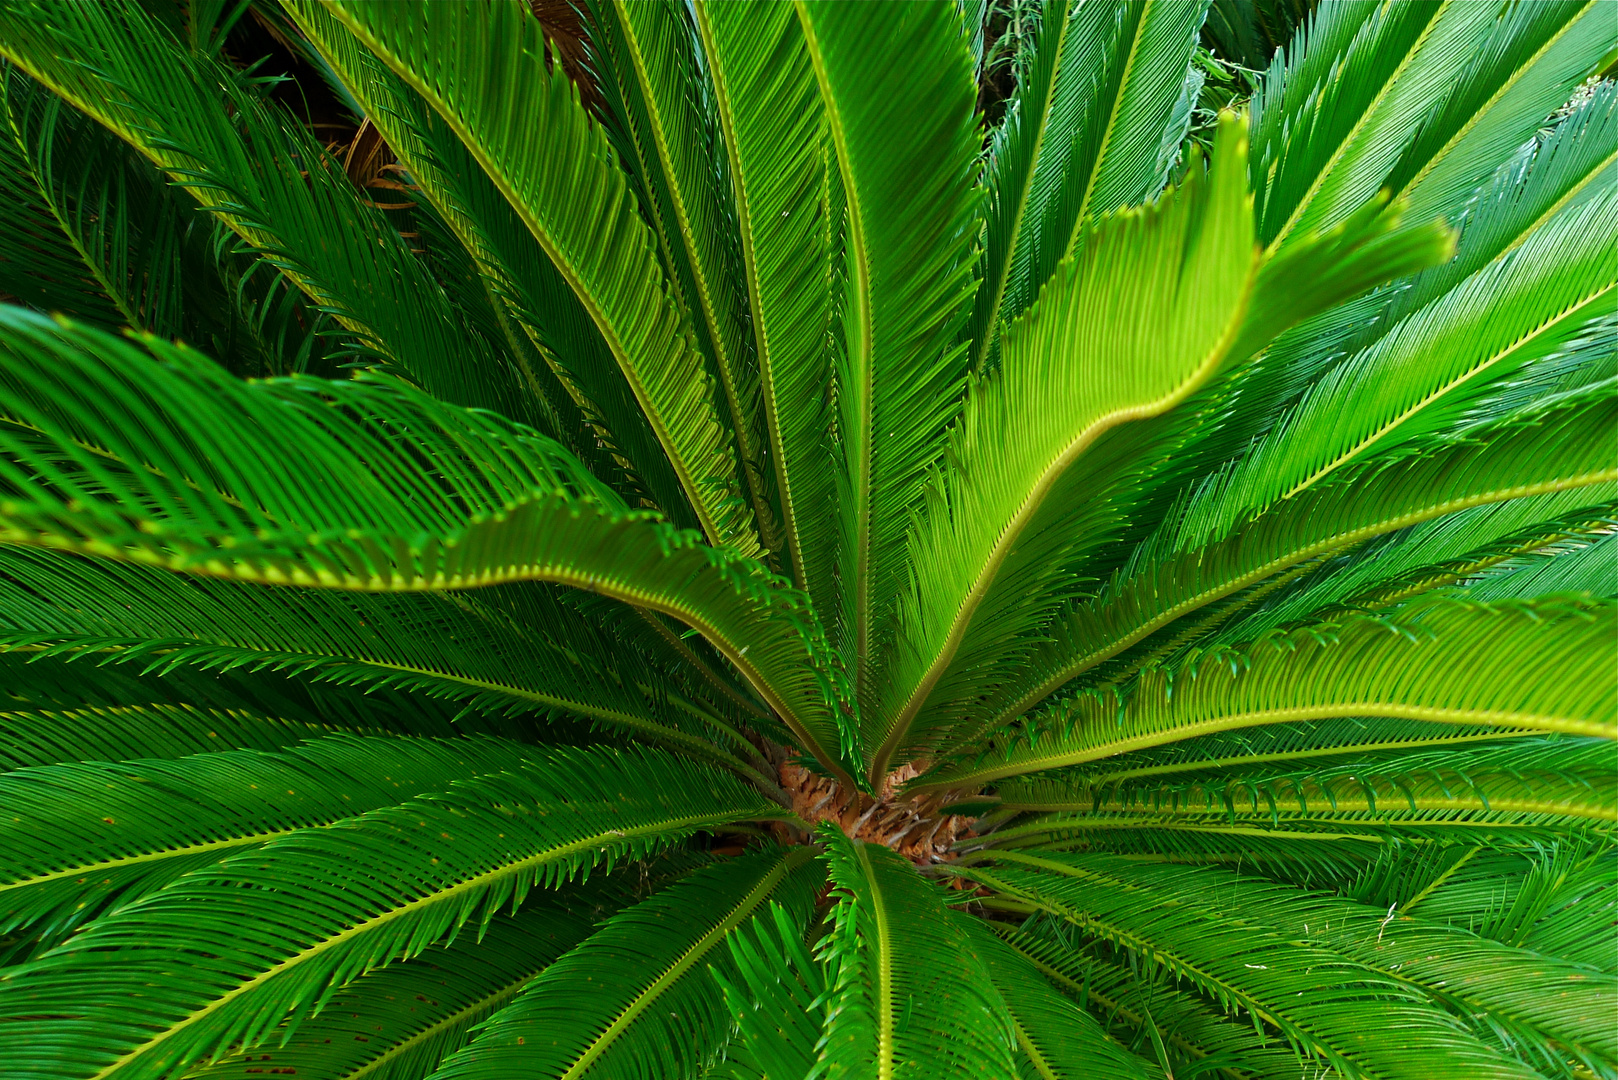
[[905, 148], [392, 491], [1073, 368], [494, 655], [1583, 567], [647, 63], [775, 992], [774, 133], [912, 995], [264, 176], [661, 1015], [1523, 71], [1554, 784], [1193, 1034], [54, 710], [1246, 954], [1081, 138], [1061, 1040], [250, 956], [1413, 665], [1566, 449], [560, 354], [513, 113], [399, 1022], [1344, 98], [1429, 370], [82, 839]]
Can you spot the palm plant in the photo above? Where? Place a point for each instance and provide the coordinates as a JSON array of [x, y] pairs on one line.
[[734, 570]]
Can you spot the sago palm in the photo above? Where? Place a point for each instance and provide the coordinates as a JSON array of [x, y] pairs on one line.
[[681, 549]]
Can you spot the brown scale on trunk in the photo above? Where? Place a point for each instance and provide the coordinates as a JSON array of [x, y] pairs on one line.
[[914, 827]]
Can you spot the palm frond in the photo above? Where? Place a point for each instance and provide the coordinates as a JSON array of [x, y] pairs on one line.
[[534, 309], [1566, 449], [494, 656], [1413, 665], [774, 133], [1519, 309], [1189, 258], [1547, 898], [87, 838], [262, 174], [359, 509], [1081, 138], [905, 150], [1060, 1040], [1556, 785], [1582, 567], [98, 236], [775, 993], [648, 63], [1406, 564], [1245, 954], [53, 710], [1528, 65], [661, 1015], [301, 930], [1341, 102], [927, 1006], [1196, 1037], [399, 1022], [512, 113]]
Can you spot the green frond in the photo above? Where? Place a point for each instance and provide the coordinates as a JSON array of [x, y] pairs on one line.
[[560, 355], [1060, 1040], [1301, 741], [494, 655], [647, 63], [86, 838], [1194, 1036], [1428, 371], [522, 122], [662, 1015], [1415, 664], [1077, 515], [98, 236], [775, 993], [912, 994], [1403, 565], [262, 174], [1081, 138], [399, 1022], [1554, 899], [1341, 102], [53, 710], [1531, 61], [1556, 785], [1565, 450], [774, 133], [1072, 368], [250, 956], [1247, 954], [1538, 1007], [1526, 192], [78, 211], [360, 508], [1583, 567], [905, 150]]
